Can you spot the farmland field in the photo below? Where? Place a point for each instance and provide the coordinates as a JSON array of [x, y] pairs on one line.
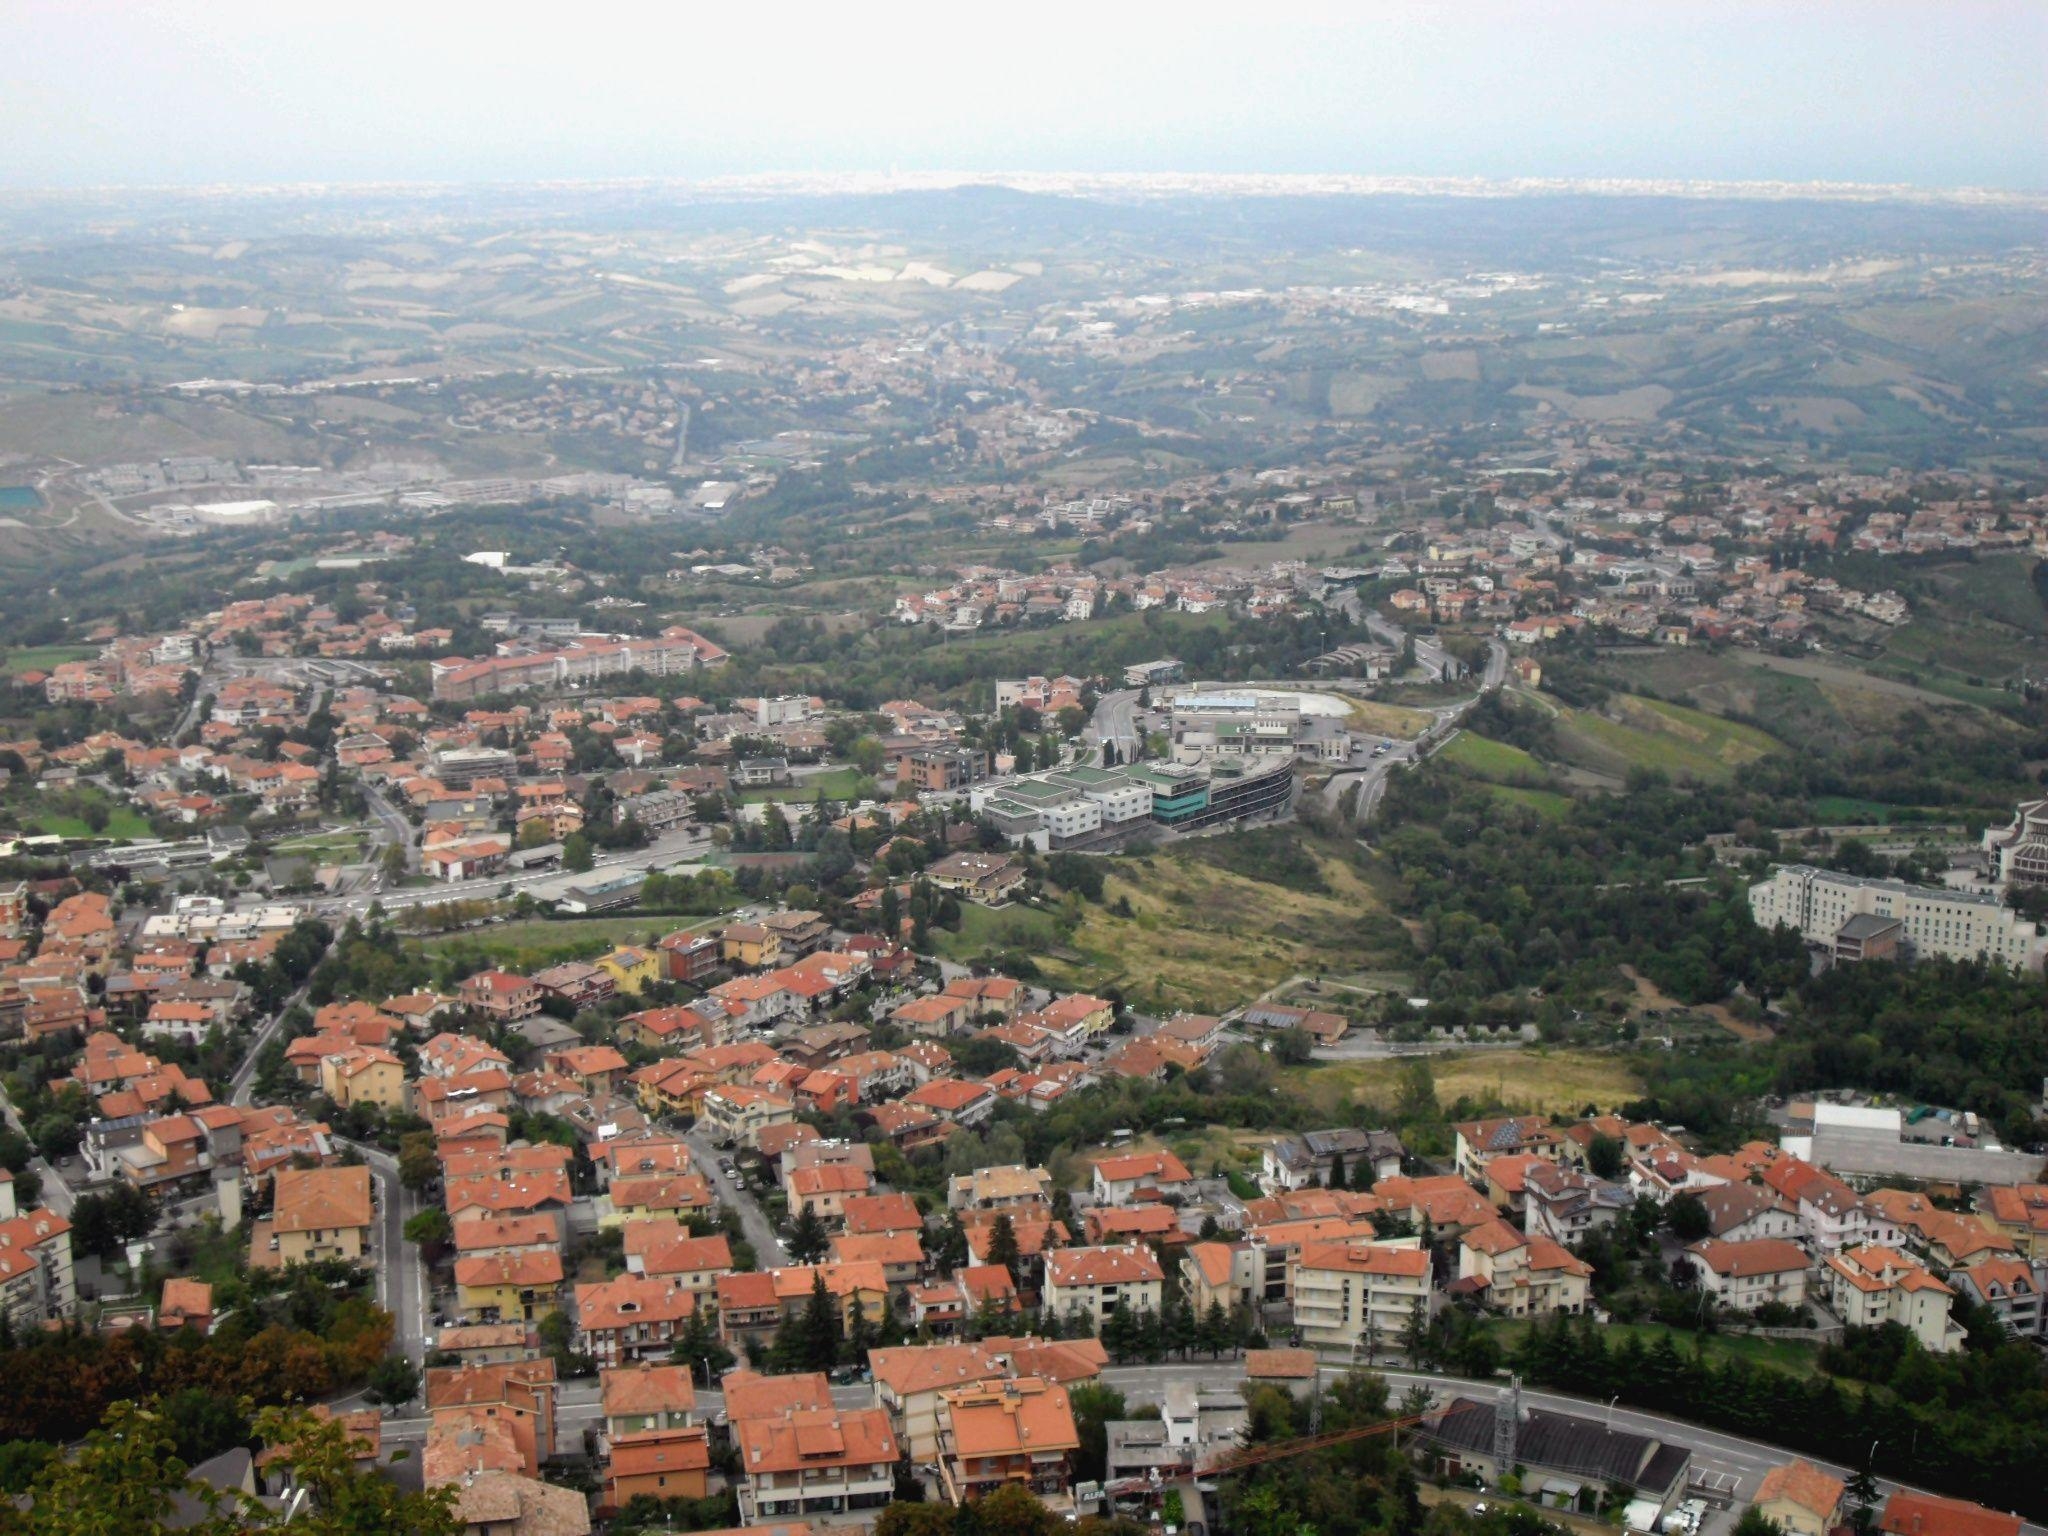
[[1206, 938], [1530, 1081]]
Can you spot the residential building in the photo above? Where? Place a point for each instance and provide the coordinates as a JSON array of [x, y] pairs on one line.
[[1095, 1281], [1749, 1275], [1000, 1432], [1868, 1287], [1907, 1513], [316, 1213], [2012, 1289], [1351, 1295], [1141, 1176], [1800, 1498], [813, 1461], [631, 1317], [1521, 1275]]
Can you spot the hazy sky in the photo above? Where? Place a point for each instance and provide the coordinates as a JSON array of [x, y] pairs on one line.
[[139, 91]]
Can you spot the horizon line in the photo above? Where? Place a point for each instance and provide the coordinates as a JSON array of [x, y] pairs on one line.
[[1086, 183]]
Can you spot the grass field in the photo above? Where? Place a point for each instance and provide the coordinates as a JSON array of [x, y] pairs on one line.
[[123, 823], [1388, 719], [1670, 738], [981, 929], [1547, 803], [41, 658], [535, 945], [1206, 938], [1533, 1081], [836, 784], [1795, 1356], [1494, 760]]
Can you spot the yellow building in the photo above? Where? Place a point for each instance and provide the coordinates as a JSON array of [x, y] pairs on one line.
[[510, 1287], [750, 946], [363, 1074], [317, 1213], [631, 968]]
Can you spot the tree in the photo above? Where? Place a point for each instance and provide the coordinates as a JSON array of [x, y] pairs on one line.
[[418, 1163], [343, 1498], [1336, 1179], [1002, 1243], [698, 1345], [1861, 1494], [431, 1229], [1755, 1522], [102, 1223], [1095, 1408], [1686, 1218], [577, 855], [807, 1238], [395, 1380], [1605, 1157]]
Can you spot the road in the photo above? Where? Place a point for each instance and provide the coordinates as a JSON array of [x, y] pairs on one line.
[[1373, 777], [1116, 719], [768, 1250], [673, 852], [240, 1085], [56, 1193], [392, 827], [401, 1277]]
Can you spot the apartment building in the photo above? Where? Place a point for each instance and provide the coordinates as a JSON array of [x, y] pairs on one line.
[[1000, 1432], [1351, 1295], [1749, 1275], [807, 1462], [1868, 1287], [1095, 1281]]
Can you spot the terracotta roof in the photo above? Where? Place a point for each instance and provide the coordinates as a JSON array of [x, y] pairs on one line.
[[1927, 1514], [811, 1438], [750, 1395], [1763, 1256], [317, 1199], [648, 1389], [1802, 1483], [1101, 1266], [1280, 1364]]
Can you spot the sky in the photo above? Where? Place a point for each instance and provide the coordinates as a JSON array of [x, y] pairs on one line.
[[143, 92]]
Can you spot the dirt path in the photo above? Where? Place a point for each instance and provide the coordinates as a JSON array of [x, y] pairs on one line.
[[1650, 995]]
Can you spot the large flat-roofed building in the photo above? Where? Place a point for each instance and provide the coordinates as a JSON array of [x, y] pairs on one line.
[[1958, 925]]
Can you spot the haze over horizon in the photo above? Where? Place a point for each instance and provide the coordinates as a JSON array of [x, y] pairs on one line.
[[239, 93]]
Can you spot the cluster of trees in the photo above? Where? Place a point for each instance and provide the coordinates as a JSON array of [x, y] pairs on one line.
[[1974, 1424], [300, 1346], [133, 1473], [1507, 897]]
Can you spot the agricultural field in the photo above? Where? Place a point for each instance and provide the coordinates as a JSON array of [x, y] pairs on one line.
[[1527, 1081], [1671, 738], [1205, 938]]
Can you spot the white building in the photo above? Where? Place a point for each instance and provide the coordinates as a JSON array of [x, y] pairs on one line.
[[1959, 925]]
